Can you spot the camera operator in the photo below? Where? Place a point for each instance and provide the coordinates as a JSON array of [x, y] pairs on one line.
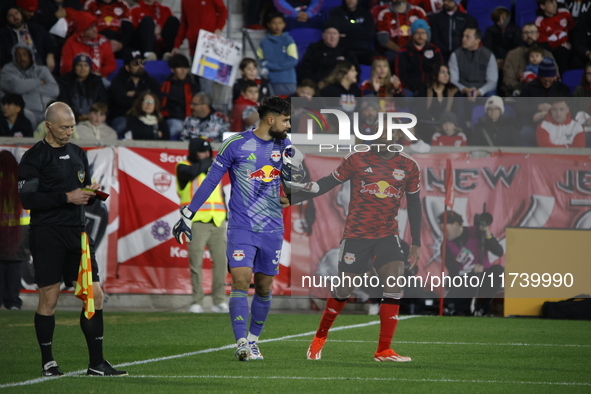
[[467, 253]]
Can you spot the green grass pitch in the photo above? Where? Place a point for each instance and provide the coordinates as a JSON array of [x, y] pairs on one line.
[[182, 352]]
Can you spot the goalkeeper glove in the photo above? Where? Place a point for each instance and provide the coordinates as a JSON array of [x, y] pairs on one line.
[[292, 169], [183, 226]]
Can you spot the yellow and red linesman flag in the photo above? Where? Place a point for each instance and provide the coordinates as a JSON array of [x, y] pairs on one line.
[[84, 289]]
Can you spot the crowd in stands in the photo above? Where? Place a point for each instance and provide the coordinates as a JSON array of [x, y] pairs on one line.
[[439, 59]]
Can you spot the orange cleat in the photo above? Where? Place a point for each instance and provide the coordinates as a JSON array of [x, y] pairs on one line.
[[315, 349], [390, 355]]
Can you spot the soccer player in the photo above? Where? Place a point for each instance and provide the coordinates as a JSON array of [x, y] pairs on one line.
[[255, 226], [379, 179]]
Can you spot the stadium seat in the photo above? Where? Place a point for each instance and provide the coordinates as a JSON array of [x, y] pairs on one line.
[[525, 12], [365, 73], [572, 79], [481, 11], [327, 5], [119, 65], [158, 70], [303, 37]]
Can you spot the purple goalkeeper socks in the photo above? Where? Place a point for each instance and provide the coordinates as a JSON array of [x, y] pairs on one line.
[[258, 313], [239, 312]]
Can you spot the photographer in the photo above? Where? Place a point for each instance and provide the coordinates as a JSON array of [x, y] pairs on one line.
[[467, 254]]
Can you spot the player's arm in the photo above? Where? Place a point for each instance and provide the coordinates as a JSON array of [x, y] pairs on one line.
[[415, 217], [314, 189], [186, 173]]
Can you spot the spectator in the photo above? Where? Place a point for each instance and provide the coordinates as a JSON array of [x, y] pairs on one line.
[[535, 55], [447, 27], [430, 6], [177, 92], [204, 121], [35, 83], [155, 28], [576, 7], [439, 95], [382, 82], [581, 38], [114, 22], [144, 120], [583, 103], [545, 86], [517, 60], [306, 89], [450, 134], [584, 89], [473, 68], [95, 127], [300, 13], [554, 25], [369, 112], [244, 113], [80, 89], [393, 26], [13, 122], [417, 59], [86, 39], [357, 28], [558, 129], [279, 55], [494, 129], [321, 57], [342, 84], [249, 71], [34, 36], [208, 15], [49, 14], [128, 84], [502, 36]]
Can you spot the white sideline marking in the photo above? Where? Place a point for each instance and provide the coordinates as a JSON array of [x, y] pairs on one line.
[[454, 343], [349, 378], [210, 350]]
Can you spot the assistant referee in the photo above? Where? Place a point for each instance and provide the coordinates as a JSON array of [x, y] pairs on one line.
[[51, 177]]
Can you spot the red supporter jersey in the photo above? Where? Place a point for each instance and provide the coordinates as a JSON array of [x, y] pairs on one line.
[[160, 13], [458, 139], [398, 25], [109, 16], [377, 186], [555, 30]]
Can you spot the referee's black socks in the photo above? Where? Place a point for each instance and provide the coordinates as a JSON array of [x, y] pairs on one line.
[[93, 331], [44, 326]]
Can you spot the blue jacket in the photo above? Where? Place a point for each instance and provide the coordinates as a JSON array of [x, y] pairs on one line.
[[279, 55]]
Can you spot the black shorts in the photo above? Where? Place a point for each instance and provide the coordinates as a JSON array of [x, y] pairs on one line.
[[56, 254], [357, 254]]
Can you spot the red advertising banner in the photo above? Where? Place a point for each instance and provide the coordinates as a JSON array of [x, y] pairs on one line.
[[535, 191]]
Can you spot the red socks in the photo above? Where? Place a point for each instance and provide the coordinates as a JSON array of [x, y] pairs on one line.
[[388, 322], [331, 311]]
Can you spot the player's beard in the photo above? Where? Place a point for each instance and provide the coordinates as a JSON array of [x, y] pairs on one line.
[[281, 135]]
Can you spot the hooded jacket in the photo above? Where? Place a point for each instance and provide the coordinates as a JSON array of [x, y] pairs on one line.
[[358, 26], [447, 30], [42, 40], [279, 55], [569, 134], [99, 49], [35, 84]]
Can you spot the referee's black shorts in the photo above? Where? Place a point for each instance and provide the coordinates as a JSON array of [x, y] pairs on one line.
[[56, 252], [357, 254]]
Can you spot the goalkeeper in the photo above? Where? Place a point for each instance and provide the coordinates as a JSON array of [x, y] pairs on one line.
[[255, 226]]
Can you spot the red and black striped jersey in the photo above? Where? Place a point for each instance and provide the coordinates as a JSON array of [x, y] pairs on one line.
[[377, 186]]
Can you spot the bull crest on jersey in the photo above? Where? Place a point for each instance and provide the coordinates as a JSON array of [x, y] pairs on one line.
[[398, 174], [81, 176]]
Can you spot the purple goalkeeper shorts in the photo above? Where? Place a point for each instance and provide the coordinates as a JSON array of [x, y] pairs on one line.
[[259, 251]]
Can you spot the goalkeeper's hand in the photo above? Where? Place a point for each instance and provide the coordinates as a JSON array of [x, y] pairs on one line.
[[293, 168], [183, 226]]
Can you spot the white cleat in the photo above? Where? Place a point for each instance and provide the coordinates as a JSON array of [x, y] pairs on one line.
[[255, 353], [243, 350], [390, 355]]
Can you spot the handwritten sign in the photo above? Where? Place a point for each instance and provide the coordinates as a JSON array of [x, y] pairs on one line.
[[216, 58]]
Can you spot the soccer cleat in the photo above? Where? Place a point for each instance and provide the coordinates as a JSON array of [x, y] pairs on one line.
[[243, 350], [390, 355], [105, 369], [51, 369], [220, 308], [255, 353], [315, 349]]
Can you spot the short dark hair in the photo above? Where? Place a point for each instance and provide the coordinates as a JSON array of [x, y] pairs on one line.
[[13, 98], [273, 15], [274, 105], [178, 60], [307, 83], [477, 32], [244, 85], [245, 62], [495, 16], [536, 49], [99, 107], [542, 2], [555, 100], [452, 217]]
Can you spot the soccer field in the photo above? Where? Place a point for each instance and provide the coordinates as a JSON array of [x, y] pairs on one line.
[[181, 352]]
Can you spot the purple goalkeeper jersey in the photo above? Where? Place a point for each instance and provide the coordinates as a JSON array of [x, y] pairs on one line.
[[255, 176]]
